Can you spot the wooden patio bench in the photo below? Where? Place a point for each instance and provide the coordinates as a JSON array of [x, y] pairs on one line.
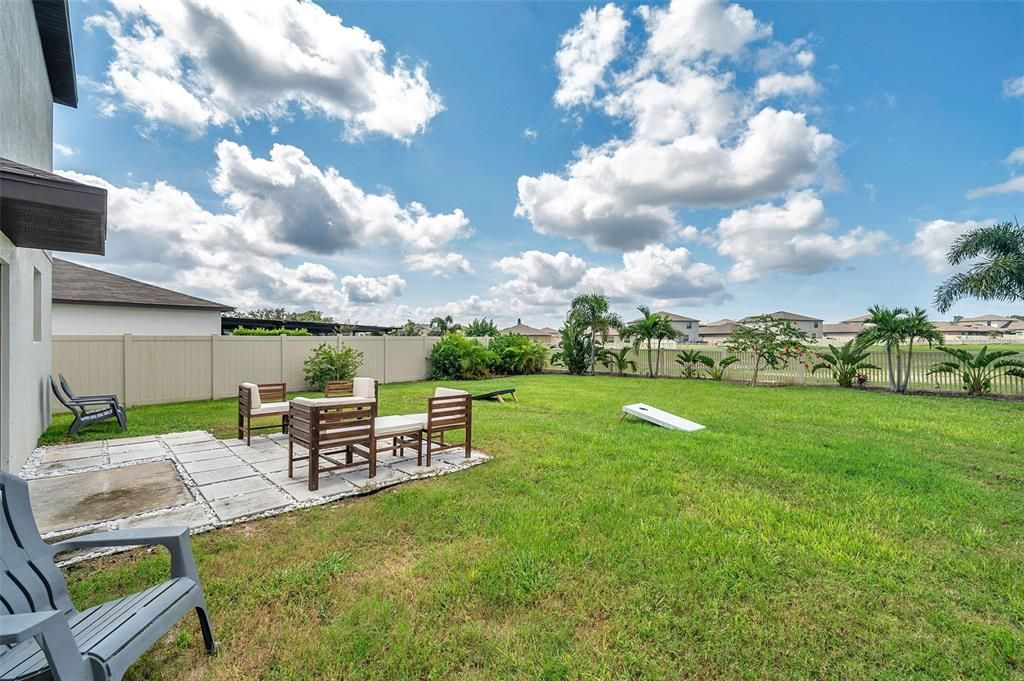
[[43, 636], [264, 399]]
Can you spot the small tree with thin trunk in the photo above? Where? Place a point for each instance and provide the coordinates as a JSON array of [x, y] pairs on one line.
[[773, 342], [591, 310]]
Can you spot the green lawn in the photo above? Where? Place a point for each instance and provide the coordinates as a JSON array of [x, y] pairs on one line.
[[807, 533]]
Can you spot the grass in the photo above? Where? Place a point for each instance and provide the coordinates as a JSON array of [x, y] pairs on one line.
[[808, 532]]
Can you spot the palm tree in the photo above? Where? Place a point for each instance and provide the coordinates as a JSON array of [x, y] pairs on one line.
[[885, 327], [527, 357], [999, 275], [917, 326], [649, 328], [977, 371], [591, 309], [440, 326], [618, 360], [692, 361], [844, 363]]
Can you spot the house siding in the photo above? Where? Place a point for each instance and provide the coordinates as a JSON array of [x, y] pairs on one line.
[[76, 319], [26, 136]]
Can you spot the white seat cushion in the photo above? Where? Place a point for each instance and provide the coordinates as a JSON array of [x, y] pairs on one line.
[[270, 408], [330, 401], [448, 392], [254, 395], [385, 426], [363, 387]]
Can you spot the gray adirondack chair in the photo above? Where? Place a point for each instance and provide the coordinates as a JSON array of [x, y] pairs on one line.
[[90, 409], [43, 636], [112, 400]]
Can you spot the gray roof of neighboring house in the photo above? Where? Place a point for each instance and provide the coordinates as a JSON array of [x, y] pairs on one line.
[[78, 284], [719, 329], [989, 318], [717, 322], [842, 327], [964, 328], [525, 330], [782, 314], [856, 320], [549, 330]]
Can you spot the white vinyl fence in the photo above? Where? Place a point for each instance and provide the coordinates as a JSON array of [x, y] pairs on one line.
[[797, 373], [158, 369]]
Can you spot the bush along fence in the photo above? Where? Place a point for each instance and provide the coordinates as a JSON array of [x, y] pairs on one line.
[[159, 369], [799, 372]]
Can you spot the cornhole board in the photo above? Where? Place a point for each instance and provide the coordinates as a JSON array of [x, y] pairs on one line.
[[497, 395], [659, 417]]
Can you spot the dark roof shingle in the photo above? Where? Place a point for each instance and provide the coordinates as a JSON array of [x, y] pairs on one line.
[[74, 283]]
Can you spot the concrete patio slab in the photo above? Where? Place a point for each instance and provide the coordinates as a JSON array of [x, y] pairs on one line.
[[69, 501], [198, 481]]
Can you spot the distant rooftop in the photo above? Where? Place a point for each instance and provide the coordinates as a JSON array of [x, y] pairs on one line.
[[525, 330], [74, 283], [782, 314]]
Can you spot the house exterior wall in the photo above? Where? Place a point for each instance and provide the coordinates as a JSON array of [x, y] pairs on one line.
[[689, 332], [74, 319], [26, 104], [26, 136], [812, 329]]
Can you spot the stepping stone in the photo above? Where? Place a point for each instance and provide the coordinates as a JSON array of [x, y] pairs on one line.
[[202, 455], [232, 488], [143, 451], [275, 465], [195, 446], [71, 452], [72, 464], [69, 501], [222, 474], [193, 515], [254, 455], [183, 438], [211, 464], [360, 477], [126, 441], [233, 508]]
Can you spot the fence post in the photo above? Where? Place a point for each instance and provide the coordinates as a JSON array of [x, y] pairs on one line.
[[213, 366], [126, 346], [384, 344], [281, 372]]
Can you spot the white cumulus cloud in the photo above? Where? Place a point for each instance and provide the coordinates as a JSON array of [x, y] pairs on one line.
[[360, 289], [585, 53], [933, 238], [197, 63], [1013, 87], [439, 264]]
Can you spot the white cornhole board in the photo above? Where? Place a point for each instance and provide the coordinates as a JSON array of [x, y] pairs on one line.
[[660, 418]]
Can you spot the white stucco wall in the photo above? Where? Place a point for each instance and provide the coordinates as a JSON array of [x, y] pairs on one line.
[[687, 335], [112, 320], [26, 104], [25, 413], [26, 136]]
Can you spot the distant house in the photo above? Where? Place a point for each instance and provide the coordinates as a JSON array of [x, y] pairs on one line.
[[688, 328], [91, 302], [809, 325], [546, 336], [718, 332], [993, 320], [857, 320], [842, 332]]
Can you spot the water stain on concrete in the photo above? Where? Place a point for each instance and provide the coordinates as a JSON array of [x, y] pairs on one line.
[[80, 499]]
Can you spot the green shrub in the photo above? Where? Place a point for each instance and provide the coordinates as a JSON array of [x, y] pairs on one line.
[[239, 331], [456, 357], [574, 349], [330, 364], [517, 354]]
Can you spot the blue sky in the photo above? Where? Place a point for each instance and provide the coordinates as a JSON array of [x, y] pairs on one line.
[[712, 159]]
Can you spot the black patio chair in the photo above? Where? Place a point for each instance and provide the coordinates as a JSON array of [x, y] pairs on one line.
[[98, 399], [86, 412]]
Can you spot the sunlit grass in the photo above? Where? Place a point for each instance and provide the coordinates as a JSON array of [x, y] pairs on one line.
[[807, 533]]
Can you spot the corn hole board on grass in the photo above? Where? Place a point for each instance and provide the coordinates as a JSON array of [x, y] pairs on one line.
[[659, 417]]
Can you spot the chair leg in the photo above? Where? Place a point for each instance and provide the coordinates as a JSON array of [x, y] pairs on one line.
[[207, 628], [373, 457], [469, 440], [284, 423], [122, 419], [76, 425], [248, 431], [291, 453], [430, 441], [314, 468]]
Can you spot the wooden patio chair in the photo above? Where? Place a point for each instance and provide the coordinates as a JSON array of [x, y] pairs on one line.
[[43, 636], [359, 386], [328, 428], [89, 409], [257, 400], [448, 410]]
